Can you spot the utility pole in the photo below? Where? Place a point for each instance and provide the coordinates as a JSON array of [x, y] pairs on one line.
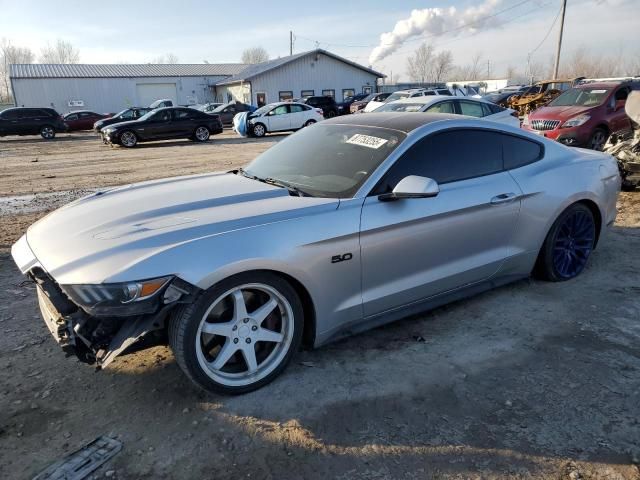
[[557, 65], [290, 42], [488, 70]]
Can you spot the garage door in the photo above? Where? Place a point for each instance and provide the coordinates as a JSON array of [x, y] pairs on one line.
[[150, 92]]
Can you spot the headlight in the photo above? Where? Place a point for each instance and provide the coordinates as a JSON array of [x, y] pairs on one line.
[[107, 131], [577, 121], [525, 119], [118, 299]]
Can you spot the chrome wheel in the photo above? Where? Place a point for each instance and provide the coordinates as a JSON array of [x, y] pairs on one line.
[[202, 134], [259, 130], [244, 334], [47, 132], [128, 139]]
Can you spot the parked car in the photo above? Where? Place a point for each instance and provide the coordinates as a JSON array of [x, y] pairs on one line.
[[125, 115], [227, 111], [209, 107], [502, 97], [352, 223], [359, 105], [471, 107], [83, 119], [281, 117], [31, 121], [408, 93], [325, 103], [344, 107], [165, 102], [583, 116], [164, 124]]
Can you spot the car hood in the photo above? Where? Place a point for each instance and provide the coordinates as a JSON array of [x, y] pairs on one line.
[[97, 238], [559, 113], [127, 123]]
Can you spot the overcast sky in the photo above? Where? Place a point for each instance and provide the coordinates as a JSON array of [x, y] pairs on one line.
[[136, 31]]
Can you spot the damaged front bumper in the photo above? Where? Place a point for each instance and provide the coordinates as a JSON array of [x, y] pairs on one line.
[[93, 339]]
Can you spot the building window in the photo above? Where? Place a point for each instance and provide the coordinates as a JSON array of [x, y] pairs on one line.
[[367, 89], [329, 93], [261, 99], [348, 92], [307, 93], [286, 96]]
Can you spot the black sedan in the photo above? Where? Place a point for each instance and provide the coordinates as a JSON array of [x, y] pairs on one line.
[[132, 113], [164, 124]]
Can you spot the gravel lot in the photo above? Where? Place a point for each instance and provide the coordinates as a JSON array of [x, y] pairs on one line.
[[531, 380]]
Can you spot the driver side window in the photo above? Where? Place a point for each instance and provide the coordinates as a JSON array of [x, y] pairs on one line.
[[446, 157]]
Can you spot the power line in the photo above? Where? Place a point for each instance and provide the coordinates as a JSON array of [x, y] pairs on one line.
[[548, 32]]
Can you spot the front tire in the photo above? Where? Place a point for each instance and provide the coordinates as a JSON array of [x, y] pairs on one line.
[[238, 335], [259, 130], [128, 139], [598, 139], [201, 134], [568, 245], [48, 132]]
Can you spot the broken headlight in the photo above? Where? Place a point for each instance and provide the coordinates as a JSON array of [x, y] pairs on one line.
[[118, 299]]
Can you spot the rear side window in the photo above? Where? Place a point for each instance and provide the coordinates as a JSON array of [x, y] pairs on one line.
[[182, 114], [296, 108], [495, 108], [519, 152], [472, 109]]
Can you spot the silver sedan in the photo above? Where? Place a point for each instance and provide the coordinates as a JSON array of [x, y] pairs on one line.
[[343, 226]]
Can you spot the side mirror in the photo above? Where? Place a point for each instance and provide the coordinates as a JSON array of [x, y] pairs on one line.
[[412, 186]]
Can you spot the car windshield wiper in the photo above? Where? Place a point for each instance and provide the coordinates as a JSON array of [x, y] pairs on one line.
[[273, 181], [288, 186]]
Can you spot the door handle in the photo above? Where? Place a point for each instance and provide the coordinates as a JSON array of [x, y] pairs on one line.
[[503, 198]]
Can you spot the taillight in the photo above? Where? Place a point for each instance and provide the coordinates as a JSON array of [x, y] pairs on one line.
[[320, 111]]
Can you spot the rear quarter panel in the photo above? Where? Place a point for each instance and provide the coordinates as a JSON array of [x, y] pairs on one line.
[[565, 176]]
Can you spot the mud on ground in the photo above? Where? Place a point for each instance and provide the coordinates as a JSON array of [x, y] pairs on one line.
[[530, 380]]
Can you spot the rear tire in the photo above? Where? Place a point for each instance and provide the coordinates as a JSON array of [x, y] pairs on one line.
[[331, 114], [240, 334], [201, 134], [309, 123], [568, 245], [48, 132]]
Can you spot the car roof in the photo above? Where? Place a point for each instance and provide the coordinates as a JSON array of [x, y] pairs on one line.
[[402, 121], [600, 85], [437, 98]]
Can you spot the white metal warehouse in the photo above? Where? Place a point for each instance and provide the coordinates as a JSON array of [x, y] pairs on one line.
[[111, 87]]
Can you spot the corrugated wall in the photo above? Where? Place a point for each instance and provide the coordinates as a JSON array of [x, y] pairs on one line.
[[103, 94], [315, 73]]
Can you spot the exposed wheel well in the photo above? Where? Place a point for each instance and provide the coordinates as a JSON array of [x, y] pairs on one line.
[[604, 127], [591, 205]]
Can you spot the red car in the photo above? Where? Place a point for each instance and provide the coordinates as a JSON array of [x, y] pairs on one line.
[[583, 116], [82, 119]]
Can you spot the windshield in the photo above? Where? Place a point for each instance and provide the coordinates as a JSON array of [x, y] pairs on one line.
[[221, 108], [397, 96], [327, 160], [400, 107], [262, 110], [120, 114], [584, 97]]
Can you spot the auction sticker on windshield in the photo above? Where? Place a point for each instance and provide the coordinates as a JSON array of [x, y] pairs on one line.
[[367, 141]]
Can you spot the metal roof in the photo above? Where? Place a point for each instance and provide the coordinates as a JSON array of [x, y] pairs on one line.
[[42, 70], [260, 68]]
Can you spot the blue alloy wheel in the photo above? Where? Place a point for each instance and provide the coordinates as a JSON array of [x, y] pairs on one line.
[[573, 243]]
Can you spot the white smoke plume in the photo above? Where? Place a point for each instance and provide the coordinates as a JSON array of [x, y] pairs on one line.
[[434, 22]]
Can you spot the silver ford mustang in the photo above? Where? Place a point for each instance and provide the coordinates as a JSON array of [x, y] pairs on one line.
[[343, 226]]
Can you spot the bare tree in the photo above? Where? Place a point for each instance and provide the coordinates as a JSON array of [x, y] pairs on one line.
[[442, 66], [254, 55], [10, 54], [167, 58], [61, 52], [419, 66]]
